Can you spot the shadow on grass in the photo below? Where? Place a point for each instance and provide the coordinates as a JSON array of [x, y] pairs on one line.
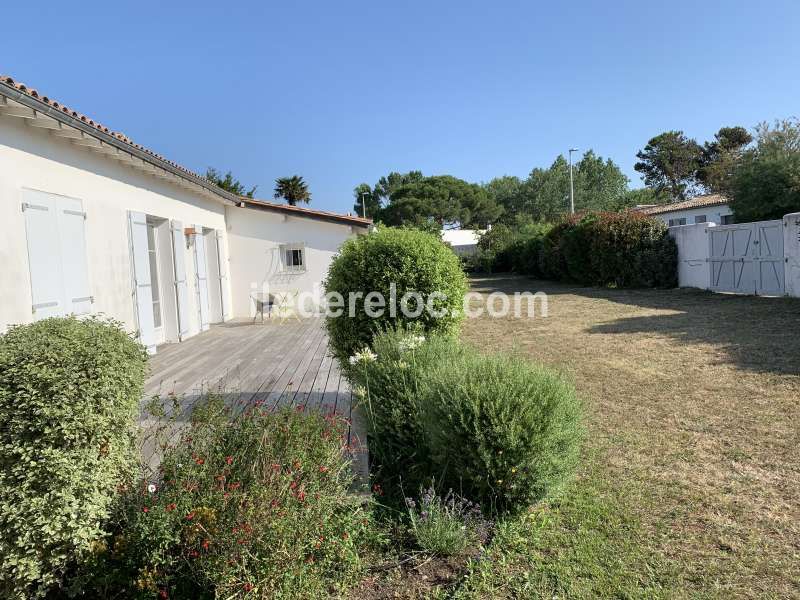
[[756, 333]]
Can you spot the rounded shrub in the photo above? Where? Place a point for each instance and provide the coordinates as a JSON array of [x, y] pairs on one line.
[[502, 430], [390, 263], [69, 397]]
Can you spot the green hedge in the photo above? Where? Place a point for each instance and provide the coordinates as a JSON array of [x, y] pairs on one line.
[[69, 397], [622, 249], [503, 432], [412, 260]]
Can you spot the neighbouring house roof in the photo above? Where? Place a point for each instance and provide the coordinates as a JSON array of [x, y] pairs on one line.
[[301, 211], [696, 202]]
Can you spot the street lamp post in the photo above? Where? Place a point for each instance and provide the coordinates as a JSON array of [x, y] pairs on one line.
[[364, 205], [571, 186]]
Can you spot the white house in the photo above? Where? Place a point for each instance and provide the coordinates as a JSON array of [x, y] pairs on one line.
[[711, 208], [464, 242], [98, 224]]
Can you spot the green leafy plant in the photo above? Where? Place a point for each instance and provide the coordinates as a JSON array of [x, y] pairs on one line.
[[69, 396], [502, 430], [247, 502], [391, 387], [446, 525], [392, 262]]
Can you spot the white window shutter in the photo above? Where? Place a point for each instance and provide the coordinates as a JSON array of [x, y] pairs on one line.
[[143, 294], [223, 275], [75, 267], [41, 227], [181, 285], [201, 273]]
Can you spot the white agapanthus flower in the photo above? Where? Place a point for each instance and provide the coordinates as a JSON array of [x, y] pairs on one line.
[[411, 342], [366, 355], [151, 488]]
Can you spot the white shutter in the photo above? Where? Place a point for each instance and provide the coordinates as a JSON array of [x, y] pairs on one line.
[[181, 285], [75, 267], [41, 227], [223, 276], [201, 273], [143, 294]]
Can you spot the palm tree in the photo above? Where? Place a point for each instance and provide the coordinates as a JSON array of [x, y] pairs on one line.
[[292, 189]]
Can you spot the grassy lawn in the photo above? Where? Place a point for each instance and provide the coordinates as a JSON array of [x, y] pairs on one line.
[[690, 485]]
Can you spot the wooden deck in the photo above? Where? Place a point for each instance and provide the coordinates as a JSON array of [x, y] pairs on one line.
[[276, 363]]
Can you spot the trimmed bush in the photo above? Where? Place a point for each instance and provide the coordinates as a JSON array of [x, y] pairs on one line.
[[255, 505], [69, 396], [624, 249], [412, 260], [503, 432]]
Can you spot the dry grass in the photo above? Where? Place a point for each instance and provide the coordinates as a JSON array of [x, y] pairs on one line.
[[693, 412]]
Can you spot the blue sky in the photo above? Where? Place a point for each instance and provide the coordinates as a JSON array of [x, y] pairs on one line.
[[344, 92]]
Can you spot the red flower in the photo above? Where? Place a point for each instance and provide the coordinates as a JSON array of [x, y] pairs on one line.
[[163, 594], [194, 554], [200, 461], [293, 485], [248, 587], [377, 489], [190, 516], [205, 544], [301, 495], [323, 469], [145, 509], [171, 506], [229, 459]]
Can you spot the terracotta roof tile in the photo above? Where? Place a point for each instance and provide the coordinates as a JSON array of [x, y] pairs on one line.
[[33, 93], [696, 202]]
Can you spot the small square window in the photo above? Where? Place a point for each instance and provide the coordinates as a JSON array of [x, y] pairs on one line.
[[293, 257], [700, 219], [675, 222], [726, 220]]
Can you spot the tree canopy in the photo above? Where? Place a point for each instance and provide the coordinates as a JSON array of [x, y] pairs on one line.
[[766, 179], [292, 189], [669, 163], [413, 199], [599, 185], [229, 182]]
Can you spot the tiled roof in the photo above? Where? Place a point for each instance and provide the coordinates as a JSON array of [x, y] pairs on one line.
[[121, 137], [301, 211], [696, 202], [33, 93]]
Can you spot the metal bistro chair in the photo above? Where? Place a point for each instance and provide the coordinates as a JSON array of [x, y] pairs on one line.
[[263, 301]]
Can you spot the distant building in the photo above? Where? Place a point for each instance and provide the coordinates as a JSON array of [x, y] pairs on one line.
[[463, 241], [711, 208]]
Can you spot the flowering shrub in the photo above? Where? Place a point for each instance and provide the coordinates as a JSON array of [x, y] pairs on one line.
[[391, 262], [446, 525], [253, 505], [69, 395], [503, 431], [391, 389]]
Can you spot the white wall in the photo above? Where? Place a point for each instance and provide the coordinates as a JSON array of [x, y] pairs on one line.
[[254, 238], [713, 214], [32, 158], [693, 266], [791, 251], [463, 241]]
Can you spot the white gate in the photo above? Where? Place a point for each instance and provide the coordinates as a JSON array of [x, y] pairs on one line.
[[747, 258]]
